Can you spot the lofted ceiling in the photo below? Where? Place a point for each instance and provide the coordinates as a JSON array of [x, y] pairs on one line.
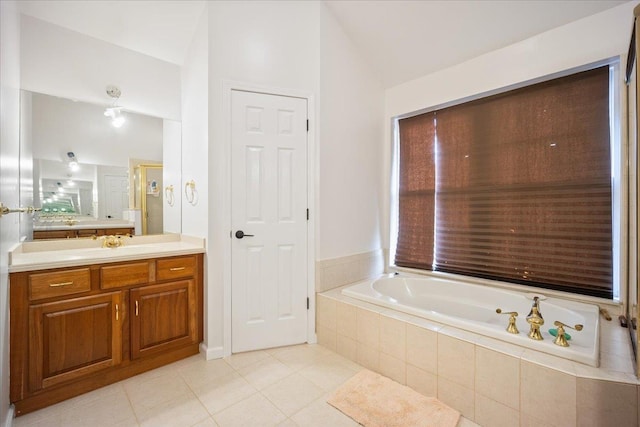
[[401, 40]]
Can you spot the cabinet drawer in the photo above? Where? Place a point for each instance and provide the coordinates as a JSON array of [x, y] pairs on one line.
[[117, 276], [175, 268], [59, 283]]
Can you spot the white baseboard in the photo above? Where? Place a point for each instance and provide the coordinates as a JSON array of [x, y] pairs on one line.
[[211, 353], [9, 421]]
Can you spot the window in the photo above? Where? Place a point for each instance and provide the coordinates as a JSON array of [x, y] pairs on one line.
[[513, 187]]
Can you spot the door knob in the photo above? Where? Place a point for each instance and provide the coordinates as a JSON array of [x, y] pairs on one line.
[[240, 234]]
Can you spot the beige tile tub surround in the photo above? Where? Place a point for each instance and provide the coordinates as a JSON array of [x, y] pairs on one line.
[[490, 382], [335, 272]]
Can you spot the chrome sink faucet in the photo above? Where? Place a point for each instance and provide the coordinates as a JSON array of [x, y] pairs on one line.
[[534, 318]]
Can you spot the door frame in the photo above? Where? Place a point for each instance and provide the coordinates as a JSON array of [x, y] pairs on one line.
[[228, 86]]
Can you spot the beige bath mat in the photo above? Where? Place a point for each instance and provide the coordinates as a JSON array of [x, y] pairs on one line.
[[376, 401]]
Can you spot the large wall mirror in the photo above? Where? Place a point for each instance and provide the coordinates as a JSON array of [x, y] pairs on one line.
[[92, 174], [633, 107]]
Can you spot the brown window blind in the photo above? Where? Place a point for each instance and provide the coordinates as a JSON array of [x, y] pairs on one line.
[[523, 188], [417, 192]]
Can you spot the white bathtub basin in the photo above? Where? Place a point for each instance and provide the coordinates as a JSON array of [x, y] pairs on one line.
[[473, 308]]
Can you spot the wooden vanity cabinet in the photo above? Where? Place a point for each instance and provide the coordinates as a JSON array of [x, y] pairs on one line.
[[162, 317], [76, 329], [71, 338]]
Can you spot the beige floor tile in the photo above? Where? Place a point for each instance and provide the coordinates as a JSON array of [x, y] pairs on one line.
[[113, 409], [466, 422], [265, 372], [287, 423], [242, 360], [321, 414], [224, 392], [96, 395], [153, 392], [207, 422], [254, 411], [47, 417], [202, 372], [300, 356], [292, 393], [328, 373], [337, 358], [184, 411]]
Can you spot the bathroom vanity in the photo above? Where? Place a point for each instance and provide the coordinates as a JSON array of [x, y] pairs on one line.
[[83, 316]]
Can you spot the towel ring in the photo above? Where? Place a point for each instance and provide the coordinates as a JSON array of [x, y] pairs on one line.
[[168, 194], [190, 192]]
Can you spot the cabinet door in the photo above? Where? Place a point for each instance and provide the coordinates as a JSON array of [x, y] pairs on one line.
[[163, 317], [72, 338]]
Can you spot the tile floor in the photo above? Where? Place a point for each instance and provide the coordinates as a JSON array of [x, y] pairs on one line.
[[285, 386]]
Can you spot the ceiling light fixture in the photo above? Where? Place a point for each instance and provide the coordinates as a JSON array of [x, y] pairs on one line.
[[114, 112], [73, 162]]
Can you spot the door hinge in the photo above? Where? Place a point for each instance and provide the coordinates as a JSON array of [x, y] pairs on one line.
[[307, 303], [307, 214], [307, 125]]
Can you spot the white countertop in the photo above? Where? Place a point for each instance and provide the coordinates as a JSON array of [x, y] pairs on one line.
[[45, 254]]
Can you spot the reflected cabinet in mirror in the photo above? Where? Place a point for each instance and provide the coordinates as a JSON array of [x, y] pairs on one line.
[[93, 175]]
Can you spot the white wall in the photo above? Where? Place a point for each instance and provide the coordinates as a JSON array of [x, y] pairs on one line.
[[60, 125], [9, 174], [272, 44], [351, 126], [61, 62], [171, 174], [195, 145], [588, 40], [195, 136]]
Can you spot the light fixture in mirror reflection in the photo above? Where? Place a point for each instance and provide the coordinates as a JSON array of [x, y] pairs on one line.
[[84, 166]]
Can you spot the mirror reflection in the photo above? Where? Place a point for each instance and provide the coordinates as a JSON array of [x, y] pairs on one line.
[[93, 174]]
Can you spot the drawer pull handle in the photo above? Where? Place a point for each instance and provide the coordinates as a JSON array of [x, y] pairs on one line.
[[177, 268], [117, 312], [136, 307], [59, 285]]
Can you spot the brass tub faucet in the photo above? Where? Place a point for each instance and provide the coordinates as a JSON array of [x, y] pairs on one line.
[[561, 340], [536, 320], [511, 327]]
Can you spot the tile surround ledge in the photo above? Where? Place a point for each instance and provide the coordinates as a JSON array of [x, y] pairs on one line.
[[495, 377], [45, 254]]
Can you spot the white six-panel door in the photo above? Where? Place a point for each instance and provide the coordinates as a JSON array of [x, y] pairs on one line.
[[269, 205]]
